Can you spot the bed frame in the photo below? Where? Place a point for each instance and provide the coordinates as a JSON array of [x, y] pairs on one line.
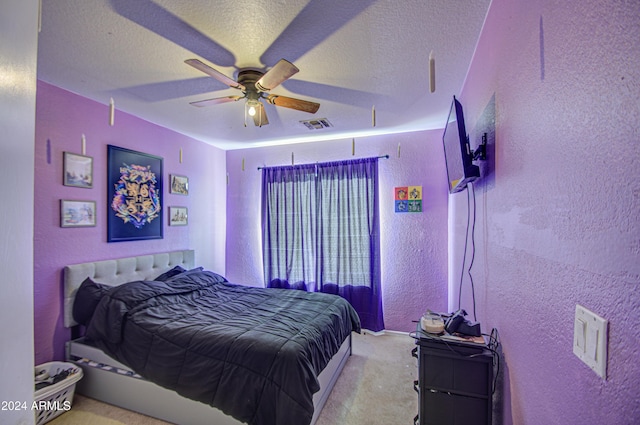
[[107, 380]]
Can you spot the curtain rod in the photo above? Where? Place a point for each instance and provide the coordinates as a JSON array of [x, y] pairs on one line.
[[381, 156]]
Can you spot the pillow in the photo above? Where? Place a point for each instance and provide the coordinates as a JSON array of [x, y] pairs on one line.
[[197, 272], [87, 298], [170, 273], [197, 269], [183, 273], [219, 278]]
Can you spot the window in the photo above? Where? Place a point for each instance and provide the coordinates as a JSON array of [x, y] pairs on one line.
[[321, 232]]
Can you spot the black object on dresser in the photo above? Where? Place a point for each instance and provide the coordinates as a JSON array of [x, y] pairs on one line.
[[455, 381]]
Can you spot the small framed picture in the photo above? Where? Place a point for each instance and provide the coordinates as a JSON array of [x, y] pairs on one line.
[[178, 216], [179, 185], [77, 213], [78, 170]]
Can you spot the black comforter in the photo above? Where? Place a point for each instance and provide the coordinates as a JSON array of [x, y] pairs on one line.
[[253, 353]]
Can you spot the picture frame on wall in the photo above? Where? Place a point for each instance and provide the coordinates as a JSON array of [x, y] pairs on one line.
[[178, 216], [77, 213], [134, 194], [77, 170], [179, 184]]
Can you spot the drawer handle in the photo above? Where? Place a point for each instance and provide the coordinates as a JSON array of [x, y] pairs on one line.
[[416, 386], [414, 352], [416, 419]]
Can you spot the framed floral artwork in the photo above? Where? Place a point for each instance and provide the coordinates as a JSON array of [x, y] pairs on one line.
[[134, 210]]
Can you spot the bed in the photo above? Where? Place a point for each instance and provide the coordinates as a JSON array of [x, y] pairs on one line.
[[193, 349]]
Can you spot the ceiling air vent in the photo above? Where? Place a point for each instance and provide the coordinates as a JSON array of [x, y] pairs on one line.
[[317, 124]]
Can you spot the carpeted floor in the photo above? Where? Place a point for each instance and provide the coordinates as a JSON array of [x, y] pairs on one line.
[[376, 385], [86, 411], [375, 388]]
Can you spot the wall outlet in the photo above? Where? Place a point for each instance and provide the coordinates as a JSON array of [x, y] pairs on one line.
[[590, 340]]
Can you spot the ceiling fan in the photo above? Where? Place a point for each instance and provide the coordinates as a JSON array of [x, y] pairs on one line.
[[255, 85]]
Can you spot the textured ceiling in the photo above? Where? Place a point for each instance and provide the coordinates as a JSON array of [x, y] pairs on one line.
[[353, 56]]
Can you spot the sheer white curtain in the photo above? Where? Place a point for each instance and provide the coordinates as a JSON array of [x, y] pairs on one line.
[[289, 224]]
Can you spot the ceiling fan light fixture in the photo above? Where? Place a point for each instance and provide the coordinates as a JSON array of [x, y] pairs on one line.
[[253, 83], [252, 104], [254, 109]]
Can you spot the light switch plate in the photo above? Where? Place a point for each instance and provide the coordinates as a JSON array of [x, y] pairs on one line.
[[590, 340]]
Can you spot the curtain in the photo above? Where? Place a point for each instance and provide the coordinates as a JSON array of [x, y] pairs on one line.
[[289, 225], [320, 226]]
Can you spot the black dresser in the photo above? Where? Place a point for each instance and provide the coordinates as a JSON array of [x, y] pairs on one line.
[[455, 381]]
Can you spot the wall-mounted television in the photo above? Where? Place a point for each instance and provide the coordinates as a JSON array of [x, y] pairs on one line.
[[457, 152]]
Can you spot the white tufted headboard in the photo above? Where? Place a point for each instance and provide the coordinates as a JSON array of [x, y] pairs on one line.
[[119, 271]]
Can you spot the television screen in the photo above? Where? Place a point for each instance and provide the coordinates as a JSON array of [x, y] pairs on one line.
[[457, 152]]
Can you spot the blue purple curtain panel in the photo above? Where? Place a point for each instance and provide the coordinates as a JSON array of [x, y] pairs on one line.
[[321, 232]]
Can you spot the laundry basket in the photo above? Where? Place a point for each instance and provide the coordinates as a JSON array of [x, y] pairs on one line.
[[55, 399]]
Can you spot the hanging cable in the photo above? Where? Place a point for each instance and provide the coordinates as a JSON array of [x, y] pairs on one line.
[[472, 195], [470, 226], [464, 254]]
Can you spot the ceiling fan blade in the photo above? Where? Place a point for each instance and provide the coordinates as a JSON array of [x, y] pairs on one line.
[[289, 102], [214, 73], [215, 101], [282, 71], [260, 118]]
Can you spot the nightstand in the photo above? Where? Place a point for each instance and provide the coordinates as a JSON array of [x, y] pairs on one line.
[[455, 381]]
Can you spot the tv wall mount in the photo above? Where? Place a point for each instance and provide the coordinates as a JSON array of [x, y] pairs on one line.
[[480, 154]]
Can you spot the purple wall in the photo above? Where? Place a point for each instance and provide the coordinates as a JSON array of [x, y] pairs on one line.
[[558, 223], [61, 119], [414, 246]]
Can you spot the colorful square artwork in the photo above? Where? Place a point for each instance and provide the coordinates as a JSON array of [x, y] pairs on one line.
[[408, 199], [415, 193], [402, 193]]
